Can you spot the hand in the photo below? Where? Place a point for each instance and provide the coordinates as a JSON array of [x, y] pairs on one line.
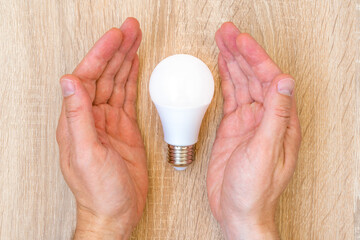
[[257, 143], [102, 154]]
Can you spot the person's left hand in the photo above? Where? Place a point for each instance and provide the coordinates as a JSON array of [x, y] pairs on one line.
[[102, 154]]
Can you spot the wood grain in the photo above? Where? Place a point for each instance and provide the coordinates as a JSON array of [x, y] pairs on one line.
[[315, 41]]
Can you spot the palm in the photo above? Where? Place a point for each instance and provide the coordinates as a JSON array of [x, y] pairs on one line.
[[230, 150], [246, 72], [119, 134], [118, 130], [113, 178]]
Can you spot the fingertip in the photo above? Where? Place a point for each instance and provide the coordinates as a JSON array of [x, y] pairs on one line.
[[71, 77], [133, 20], [71, 85], [111, 41], [284, 84], [130, 23], [229, 32], [115, 31], [245, 39], [68, 85], [131, 34], [229, 27], [275, 89], [222, 41]]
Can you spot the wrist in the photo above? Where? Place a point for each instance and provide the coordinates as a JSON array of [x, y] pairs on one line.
[[91, 226], [248, 229]]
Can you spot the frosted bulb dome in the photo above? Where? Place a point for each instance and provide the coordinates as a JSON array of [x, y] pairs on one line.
[[181, 81]]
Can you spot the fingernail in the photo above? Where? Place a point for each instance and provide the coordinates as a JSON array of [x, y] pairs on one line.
[[286, 86], [67, 87]]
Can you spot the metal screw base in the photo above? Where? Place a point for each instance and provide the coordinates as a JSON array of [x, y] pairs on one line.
[[181, 156]]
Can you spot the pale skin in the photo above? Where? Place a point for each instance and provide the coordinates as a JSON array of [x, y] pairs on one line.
[[102, 155], [256, 147]]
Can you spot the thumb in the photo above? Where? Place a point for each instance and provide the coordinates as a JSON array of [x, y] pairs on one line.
[[78, 112], [278, 106]]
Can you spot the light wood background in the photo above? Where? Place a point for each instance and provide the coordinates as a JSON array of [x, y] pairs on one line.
[[315, 41]]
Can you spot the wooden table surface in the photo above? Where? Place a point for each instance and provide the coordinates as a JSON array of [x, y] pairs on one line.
[[315, 41]]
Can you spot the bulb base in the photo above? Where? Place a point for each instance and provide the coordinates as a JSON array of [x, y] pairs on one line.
[[181, 156]]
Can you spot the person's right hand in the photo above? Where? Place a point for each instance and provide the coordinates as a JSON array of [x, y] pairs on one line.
[[102, 154], [257, 143]]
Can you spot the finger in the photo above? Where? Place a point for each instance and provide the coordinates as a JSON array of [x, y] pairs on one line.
[[276, 117], [289, 154], [227, 87], [131, 89], [94, 63], [294, 130], [259, 63], [292, 140], [63, 140], [78, 112], [100, 121], [132, 38], [254, 85], [226, 40], [62, 136], [105, 84]]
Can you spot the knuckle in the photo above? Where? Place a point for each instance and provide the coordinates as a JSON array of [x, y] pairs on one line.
[[74, 112], [282, 111]]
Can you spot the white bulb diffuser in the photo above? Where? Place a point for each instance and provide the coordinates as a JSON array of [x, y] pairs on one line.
[[181, 87]]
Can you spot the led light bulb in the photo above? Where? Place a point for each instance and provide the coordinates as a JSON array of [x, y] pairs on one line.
[[181, 87]]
